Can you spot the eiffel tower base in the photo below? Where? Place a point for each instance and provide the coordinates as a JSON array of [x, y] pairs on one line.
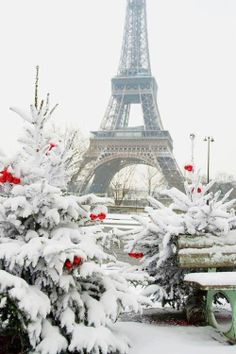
[[109, 154]]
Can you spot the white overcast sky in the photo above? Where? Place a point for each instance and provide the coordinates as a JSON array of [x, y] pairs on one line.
[[77, 45]]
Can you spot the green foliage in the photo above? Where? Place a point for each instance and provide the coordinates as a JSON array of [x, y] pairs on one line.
[[13, 336]]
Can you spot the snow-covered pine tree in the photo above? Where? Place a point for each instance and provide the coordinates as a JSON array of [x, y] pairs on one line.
[[53, 290], [195, 212]]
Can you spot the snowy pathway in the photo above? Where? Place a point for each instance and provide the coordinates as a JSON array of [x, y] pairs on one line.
[[155, 339]]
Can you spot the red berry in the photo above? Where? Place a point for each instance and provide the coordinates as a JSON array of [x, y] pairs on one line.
[[77, 260], [15, 180], [199, 190], [93, 216], [51, 146], [2, 179], [68, 264], [9, 178], [4, 172], [136, 255], [101, 216], [188, 168]]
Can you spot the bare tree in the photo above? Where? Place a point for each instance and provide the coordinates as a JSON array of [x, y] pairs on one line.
[[76, 144], [137, 181], [152, 179], [121, 184]]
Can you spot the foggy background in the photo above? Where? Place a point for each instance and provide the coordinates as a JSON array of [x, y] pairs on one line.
[[77, 45]]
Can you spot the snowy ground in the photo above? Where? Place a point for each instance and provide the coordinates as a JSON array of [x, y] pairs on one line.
[[165, 331], [161, 339]]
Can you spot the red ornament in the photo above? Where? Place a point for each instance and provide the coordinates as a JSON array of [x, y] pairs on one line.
[[51, 146], [101, 216], [199, 190], [68, 264], [2, 179], [9, 178], [93, 216], [5, 175], [77, 260], [136, 255], [15, 180], [4, 171], [188, 168]]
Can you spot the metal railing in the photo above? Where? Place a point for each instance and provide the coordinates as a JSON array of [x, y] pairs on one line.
[[132, 134]]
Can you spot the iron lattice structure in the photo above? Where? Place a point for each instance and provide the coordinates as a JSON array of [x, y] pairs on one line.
[[133, 83], [116, 145]]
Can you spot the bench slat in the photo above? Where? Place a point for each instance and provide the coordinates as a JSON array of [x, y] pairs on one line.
[[206, 263], [210, 281], [206, 240], [206, 260], [207, 251]]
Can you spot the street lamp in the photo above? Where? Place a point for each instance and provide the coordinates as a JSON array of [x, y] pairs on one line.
[[192, 137], [209, 140]]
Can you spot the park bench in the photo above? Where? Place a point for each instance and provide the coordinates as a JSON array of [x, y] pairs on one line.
[[217, 256]]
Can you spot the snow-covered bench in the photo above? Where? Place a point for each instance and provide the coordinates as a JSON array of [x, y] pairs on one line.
[[217, 283], [207, 251], [215, 254]]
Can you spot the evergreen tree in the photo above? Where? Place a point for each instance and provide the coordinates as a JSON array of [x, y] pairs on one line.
[[54, 291]]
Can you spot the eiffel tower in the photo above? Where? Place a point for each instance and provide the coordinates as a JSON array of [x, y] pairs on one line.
[[116, 145]]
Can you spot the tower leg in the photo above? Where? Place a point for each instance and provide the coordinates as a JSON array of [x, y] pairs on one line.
[[171, 171], [103, 176]]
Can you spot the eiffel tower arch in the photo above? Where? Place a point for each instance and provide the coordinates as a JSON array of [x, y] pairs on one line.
[[116, 145]]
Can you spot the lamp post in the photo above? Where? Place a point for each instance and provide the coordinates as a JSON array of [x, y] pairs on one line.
[[192, 137], [209, 140]]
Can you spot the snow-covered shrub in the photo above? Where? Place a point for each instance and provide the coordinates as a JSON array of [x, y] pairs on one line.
[[195, 212]]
